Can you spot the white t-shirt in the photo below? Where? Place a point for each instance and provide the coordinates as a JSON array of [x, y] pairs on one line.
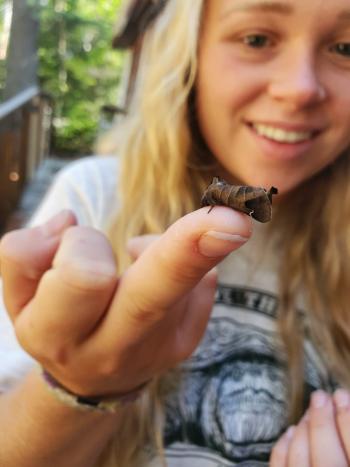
[[231, 406]]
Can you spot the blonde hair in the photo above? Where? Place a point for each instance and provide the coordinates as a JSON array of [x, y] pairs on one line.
[[160, 180], [154, 141], [315, 232]]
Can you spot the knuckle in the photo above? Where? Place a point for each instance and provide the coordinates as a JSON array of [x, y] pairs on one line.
[[40, 345], [24, 340], [9, 245], [83, 235], [179, 267], [35, 348], [141, 310], [321, 420], [180, 273], [145, 316], [108, 367]]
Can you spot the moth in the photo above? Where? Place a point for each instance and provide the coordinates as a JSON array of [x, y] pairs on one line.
[[255, 201]]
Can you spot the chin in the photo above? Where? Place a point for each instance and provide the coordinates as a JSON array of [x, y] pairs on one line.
[[284, 185]]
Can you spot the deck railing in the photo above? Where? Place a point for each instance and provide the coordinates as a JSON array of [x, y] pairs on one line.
[[25, 123]]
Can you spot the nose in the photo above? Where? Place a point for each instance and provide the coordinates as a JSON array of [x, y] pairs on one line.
[[297, 81]]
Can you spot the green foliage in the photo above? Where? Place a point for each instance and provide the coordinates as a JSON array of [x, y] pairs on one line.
[[3, 6], [78, 67], [2, 77]]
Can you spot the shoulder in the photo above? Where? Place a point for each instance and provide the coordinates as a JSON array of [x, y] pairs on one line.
[[88, 187], [92, 174]]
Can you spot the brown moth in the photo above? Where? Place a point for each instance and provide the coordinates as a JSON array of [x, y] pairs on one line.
[[255, 201]]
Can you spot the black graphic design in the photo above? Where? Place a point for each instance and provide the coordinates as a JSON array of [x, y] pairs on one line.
[[232, 398]]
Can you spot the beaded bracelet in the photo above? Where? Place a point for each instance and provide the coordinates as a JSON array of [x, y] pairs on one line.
[[90, 404]]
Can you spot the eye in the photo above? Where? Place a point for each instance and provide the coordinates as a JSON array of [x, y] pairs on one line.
[[343, 48], [256, 41]]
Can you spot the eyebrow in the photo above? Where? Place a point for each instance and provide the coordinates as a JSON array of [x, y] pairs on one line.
[[258, 5]]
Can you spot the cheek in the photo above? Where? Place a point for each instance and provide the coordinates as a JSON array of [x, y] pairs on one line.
[[339, 138], [344, 125], [225, 80], [226, 87]]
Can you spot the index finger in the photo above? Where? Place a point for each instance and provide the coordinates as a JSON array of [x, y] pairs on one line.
[[173, 264]]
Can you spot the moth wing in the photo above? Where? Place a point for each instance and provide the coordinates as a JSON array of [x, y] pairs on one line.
[[237, 196], [261, 208]]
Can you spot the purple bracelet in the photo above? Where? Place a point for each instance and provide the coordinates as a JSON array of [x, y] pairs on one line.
[[90, 404]]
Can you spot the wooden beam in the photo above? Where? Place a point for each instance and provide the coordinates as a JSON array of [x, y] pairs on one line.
[[18, 101]]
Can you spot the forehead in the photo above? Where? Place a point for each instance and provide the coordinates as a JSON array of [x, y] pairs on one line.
[[220, 9]]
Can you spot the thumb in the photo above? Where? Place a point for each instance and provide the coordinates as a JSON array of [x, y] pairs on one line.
[[25, 254], [174, 263]]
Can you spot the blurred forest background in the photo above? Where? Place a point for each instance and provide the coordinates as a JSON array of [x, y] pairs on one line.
[[74, 63]]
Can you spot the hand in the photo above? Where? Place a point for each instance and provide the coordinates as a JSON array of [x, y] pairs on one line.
[[101, 334], [322, 437]]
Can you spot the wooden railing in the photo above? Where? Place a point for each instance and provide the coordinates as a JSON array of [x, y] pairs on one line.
[[25, 123]]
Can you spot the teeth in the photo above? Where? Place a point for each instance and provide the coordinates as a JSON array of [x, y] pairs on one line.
[[282, 136]]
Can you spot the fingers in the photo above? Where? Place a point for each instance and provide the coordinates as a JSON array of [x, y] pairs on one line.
[[299, 448], [280, 452], [196, 315], [325, 444], [172, 265], [342, 404], [71, 297], [25, 255], [321, 439]]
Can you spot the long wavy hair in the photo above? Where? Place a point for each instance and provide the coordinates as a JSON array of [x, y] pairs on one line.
[[163, 168]]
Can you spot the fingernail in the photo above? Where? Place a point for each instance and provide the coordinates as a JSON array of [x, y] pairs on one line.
[[56, 224], [214, 244], [319, 399], [342, 399]]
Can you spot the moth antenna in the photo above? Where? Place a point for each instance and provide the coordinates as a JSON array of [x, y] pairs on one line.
[[272, 191]]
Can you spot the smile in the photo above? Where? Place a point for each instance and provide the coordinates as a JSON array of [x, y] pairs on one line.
[[281, 135]]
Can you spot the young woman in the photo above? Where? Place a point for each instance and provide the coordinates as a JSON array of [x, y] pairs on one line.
[[155, 343]]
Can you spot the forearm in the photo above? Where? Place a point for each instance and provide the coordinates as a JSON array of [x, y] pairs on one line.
[[38, 431]]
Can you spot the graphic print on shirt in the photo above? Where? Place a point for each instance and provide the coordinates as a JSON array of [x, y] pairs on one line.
[[232, 398]]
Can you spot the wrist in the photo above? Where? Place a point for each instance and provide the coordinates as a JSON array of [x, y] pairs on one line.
[[106, 404]]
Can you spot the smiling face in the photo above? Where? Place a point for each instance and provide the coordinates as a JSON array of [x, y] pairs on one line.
[[273, 88]]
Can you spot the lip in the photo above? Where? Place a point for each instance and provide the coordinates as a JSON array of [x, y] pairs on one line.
[[282, 152], [288, 126]]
